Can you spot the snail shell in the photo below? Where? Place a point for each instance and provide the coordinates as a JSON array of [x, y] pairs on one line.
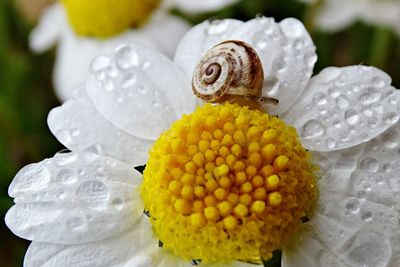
[[231, 68]]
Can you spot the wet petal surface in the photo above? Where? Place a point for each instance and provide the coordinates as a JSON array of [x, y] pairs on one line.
[[344, 107], [74, 198]]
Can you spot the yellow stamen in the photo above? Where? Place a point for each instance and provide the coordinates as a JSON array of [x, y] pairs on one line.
[[226, 181]]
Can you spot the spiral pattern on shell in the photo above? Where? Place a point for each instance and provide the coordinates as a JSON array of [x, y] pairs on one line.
[[229, 68]]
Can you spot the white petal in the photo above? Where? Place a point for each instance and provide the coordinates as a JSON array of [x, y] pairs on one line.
[[358, 211], [287, 54], [200, 39], [309, 251], [75, 53], [74, 198], [139, 90], [194, 6], [337, 14], [343, 107], [285, 49], [78, 126], [49, 29], [132, 246]]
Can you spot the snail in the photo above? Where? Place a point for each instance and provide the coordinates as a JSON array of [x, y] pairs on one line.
[[230, 71]]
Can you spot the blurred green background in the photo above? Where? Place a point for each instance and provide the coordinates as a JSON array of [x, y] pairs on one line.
[[26, 93]]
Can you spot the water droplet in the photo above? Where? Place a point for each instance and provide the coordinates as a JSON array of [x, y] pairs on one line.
[[126, 57], [378, 81], [379, 179], [330, 143], [370, 164], [329, 74], [298, 44], [100, 63], [367, 187], [391, 139], [76, 224], [93, 193], [361, 194], [141, 90], [333, 92], [353, 205], [373, 122], [59, 193], [337, 124], [75, 132], [312, 128], [366, 216], [117, 203], [387, 167], [63, 159], [146, 65], [279, 64], [65, 137], [369, 249], [107, 85], [310, 58], [292, 28], [260, 40], [217, 27], [394, 183], [351, 116], [128, 80], [342, 102], [319, 99], [369, 95], [391, 117], [66, 176]]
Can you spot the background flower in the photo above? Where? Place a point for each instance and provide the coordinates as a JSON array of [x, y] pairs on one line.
[[159, 29], [335, 15]]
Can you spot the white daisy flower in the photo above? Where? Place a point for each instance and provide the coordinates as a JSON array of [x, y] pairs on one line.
[[224, 185], [335, 15], [84, 29]]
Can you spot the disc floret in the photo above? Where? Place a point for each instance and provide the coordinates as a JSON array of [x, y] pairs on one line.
[[105, 18], [225, 181]]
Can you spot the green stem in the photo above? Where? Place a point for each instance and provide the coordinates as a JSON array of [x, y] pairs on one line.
[[380, 47]]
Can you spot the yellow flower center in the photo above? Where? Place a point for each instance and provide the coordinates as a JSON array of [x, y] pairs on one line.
[[226, 182], [104, 18]]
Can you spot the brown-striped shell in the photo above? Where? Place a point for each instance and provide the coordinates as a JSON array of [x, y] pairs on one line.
[[231, 68]]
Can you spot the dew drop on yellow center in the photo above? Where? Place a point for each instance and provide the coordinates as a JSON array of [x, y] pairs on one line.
[[105, 18], [226, 181]]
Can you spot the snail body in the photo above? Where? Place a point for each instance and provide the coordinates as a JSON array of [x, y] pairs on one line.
[[230, 69]]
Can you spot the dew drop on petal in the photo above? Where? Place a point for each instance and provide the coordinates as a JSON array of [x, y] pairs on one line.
[[310, 58], [100, 63], [370, 164], [312, 128], [366, 215], [353, 205], [394, 183], [66, 176], [370, 250], [351, 116], [93, 193], [218, 27], [342, 102], [330, 74], [117, 203], [76, 224], [391, 117], [319, 99], [126, 57]]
